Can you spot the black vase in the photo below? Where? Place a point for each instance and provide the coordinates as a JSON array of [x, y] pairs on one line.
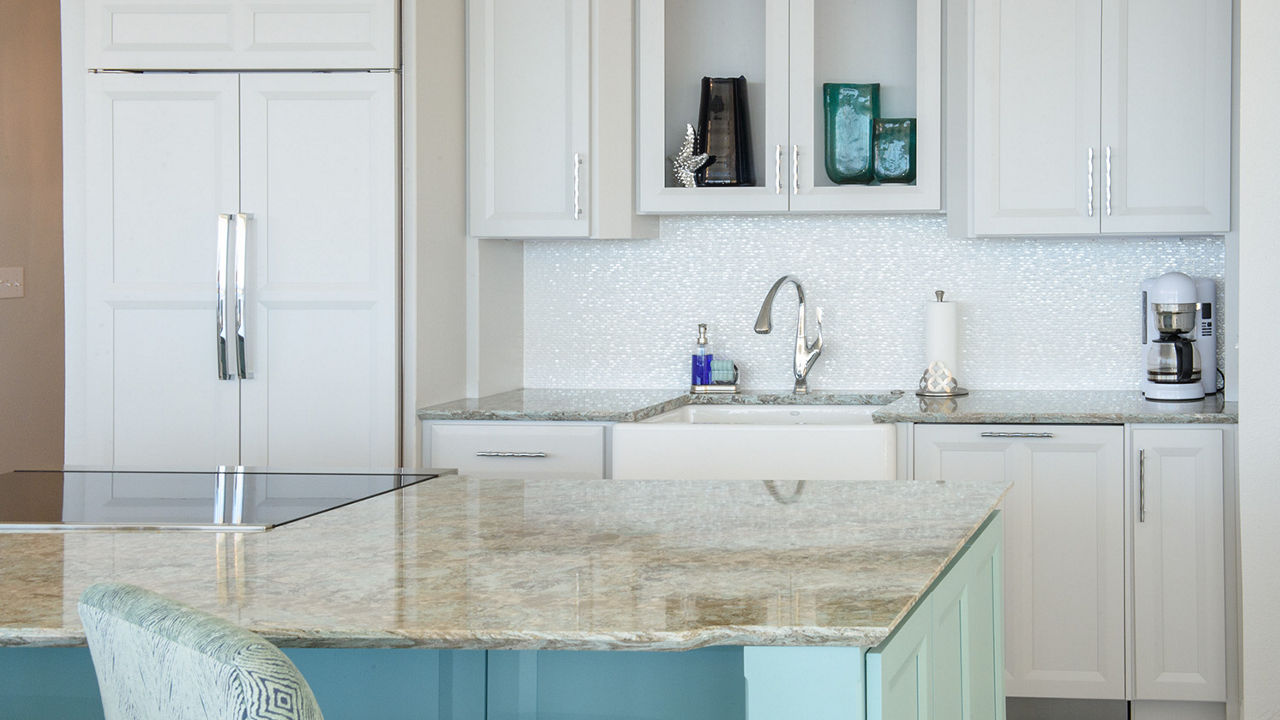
[[725, 133]]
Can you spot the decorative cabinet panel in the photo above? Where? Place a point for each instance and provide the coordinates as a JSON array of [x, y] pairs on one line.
[[1097, 116], [1179, 590], [212, 217], [787, 49], [1064, 574], [241, 34], [549, 98]]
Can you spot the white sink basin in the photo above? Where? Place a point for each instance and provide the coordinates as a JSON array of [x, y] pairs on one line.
[[757, 442], [768, 415]]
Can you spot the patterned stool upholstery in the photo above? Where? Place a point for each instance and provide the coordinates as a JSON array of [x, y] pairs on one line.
[[157, 659]]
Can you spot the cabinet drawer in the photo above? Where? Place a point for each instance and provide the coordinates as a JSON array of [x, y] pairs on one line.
[[505, 450], [240, 34]]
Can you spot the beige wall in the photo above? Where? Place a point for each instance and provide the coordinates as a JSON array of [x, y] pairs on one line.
[[31, 234]]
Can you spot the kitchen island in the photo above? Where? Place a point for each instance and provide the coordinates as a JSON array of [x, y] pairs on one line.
[[817, 595]]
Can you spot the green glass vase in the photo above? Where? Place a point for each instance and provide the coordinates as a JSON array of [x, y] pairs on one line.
[[850, 110], [895, 150]]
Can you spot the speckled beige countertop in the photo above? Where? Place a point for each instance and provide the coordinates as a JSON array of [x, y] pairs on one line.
[[1074, 407], [1106, 407], [464, 563]]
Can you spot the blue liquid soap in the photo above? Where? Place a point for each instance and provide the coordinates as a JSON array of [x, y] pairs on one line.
[[701, 358]]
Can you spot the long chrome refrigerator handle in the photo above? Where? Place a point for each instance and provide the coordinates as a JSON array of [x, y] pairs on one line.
[[777, 170], [242, 229], [1108, 190], [577, 185], [1089, 175], [220, 272], [1142, 486]]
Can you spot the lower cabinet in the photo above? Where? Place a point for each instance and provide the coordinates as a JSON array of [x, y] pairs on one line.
[[1064, 547], [1115, 573], [1179, 573], [516, 449]]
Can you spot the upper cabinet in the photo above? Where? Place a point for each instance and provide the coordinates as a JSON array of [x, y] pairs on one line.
[[241, 34], [787, 50], [1093, 116], [549, 119]]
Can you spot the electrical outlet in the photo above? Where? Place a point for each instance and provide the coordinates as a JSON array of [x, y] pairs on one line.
[[11, 285]]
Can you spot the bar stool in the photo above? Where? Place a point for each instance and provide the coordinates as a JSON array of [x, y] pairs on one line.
[[157, 659]]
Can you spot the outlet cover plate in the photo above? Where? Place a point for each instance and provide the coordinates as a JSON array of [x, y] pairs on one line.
[[11, 284]]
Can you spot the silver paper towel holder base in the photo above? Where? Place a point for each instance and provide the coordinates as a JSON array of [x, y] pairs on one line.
[[938, 381]]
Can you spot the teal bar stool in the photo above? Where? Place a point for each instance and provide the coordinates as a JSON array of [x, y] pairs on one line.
[[157, 659]]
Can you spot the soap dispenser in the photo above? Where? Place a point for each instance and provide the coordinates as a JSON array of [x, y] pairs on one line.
[[702, 359]]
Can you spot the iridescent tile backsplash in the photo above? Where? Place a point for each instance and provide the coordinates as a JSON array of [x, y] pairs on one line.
[[1035, 313]]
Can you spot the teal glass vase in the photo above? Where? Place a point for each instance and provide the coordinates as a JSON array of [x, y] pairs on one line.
[[895, 150], [850, 110]]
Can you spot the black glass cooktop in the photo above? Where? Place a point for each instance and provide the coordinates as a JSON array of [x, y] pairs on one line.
[[229, 498]]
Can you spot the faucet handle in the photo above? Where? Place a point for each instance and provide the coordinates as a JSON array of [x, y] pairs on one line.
[[819, 318]]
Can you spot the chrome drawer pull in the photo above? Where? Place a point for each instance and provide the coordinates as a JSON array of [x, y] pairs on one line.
[[1142, 486], [509, 454], [1017, 435]]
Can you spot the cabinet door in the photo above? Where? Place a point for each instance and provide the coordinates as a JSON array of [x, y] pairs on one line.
[[1166, 116], [528, 104], [1036, 155], [318, 173], [896, 44], [1064, 548], [162, 163], [677, 44], [241, 34], [1179, 615]]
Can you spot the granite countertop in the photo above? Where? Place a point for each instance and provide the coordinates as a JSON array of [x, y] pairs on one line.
[[537, 564], [980, 406], [624, 405], [1056, 407]]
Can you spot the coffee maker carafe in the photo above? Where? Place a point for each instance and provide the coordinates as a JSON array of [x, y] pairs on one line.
[[1172, 310]]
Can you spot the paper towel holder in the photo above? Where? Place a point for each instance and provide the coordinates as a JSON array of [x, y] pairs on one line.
[[938, 380]]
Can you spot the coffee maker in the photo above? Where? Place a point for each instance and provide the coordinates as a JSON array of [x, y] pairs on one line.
[[1179, 337]]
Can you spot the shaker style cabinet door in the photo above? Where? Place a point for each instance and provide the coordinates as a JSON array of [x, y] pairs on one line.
[[1166, 120], [1064, 575], [1036, 155], [318, 189], [161, 167], [241, 34], [1179, 591], [528, 118]]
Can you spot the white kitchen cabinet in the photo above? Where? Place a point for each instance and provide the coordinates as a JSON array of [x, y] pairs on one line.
[[549, 100], [786, 49], [1095, 116], [516, 449], [241, 34], [284, 184], [1179, 588], [1064, 573]]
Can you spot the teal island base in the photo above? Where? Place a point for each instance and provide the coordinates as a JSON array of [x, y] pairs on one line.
[[945, 660]]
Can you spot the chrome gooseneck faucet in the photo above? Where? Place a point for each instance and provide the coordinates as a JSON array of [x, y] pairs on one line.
[[806, 353]]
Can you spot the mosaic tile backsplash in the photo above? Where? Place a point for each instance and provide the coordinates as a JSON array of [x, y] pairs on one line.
[[1038, 313]]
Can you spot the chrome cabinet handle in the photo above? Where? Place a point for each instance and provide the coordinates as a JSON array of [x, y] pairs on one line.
[[1142, 486], [795, 169], [1108, 188], [242, 229], [509, 454], [777, 170], [577, 185], [1089, 176], [220, 272], [1017, 435]]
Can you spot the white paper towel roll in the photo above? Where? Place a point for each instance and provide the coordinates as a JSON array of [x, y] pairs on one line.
[[941, 335]]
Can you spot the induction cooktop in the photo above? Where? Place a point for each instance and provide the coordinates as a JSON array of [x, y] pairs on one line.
[[228, 498]]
